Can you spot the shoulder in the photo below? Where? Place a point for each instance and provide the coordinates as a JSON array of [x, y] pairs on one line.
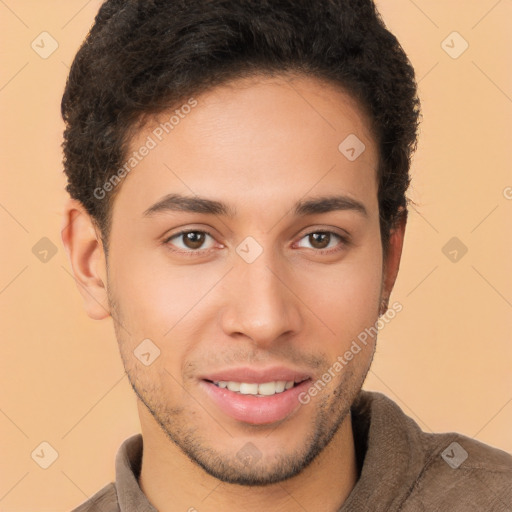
[[418, 471], [462, 474], [105, 500]]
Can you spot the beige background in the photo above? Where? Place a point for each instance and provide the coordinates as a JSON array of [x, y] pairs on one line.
[[445, 359]]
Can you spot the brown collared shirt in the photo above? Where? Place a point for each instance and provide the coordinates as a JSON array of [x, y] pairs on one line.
[[401, 468]]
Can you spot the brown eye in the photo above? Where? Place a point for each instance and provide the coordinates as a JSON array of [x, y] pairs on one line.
[[319, 240], [324, 241], [190, 241], [193, 239]]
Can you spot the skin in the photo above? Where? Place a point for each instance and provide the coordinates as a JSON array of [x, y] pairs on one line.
[[258, 144]]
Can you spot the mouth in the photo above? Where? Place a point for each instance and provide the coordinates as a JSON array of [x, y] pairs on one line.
[[255, 403]]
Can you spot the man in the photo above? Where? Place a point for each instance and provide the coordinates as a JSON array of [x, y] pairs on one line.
[[237, 172]]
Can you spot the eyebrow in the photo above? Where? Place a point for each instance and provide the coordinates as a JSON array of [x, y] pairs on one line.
[[302, 208]]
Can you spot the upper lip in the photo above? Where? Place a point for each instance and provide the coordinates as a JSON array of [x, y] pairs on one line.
[[257, 375]]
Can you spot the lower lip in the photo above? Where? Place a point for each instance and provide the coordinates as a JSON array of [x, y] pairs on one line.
[[257, 410]]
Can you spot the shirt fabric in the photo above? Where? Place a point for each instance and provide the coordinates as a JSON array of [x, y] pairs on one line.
[[401, 468]]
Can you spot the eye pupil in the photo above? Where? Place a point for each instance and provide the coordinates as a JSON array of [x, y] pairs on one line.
[[194, 239], [315, 237]]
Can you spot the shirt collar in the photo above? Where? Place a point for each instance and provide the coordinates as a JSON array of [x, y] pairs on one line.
[[392, 446], [128, 464]]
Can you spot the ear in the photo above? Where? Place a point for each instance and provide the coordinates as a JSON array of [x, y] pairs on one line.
[[82, 241], [391, 262]]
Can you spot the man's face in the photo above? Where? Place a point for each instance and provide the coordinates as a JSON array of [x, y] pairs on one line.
[[262, 290]]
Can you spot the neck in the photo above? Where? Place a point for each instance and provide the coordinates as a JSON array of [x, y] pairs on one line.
[[172, 482]]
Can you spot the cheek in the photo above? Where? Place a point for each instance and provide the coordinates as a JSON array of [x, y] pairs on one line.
[[155, 302], [159, 300], [141, 293], [347, 296]]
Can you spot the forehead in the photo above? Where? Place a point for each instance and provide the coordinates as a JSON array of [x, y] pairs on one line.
[[263, 138]]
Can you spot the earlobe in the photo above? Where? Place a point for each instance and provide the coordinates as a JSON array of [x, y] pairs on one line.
[[86, 256]]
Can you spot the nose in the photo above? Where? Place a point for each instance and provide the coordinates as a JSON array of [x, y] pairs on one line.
[[261, 303]]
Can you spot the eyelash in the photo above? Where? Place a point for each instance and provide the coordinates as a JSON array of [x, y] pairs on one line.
[[345, 241]]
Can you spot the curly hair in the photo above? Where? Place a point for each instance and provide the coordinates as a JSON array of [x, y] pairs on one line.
[[142, 57]]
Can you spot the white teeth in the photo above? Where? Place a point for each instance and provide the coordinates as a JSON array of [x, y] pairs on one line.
[[281, 385], [251, 388], [233, 386], [268, 388], [248, 389]]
